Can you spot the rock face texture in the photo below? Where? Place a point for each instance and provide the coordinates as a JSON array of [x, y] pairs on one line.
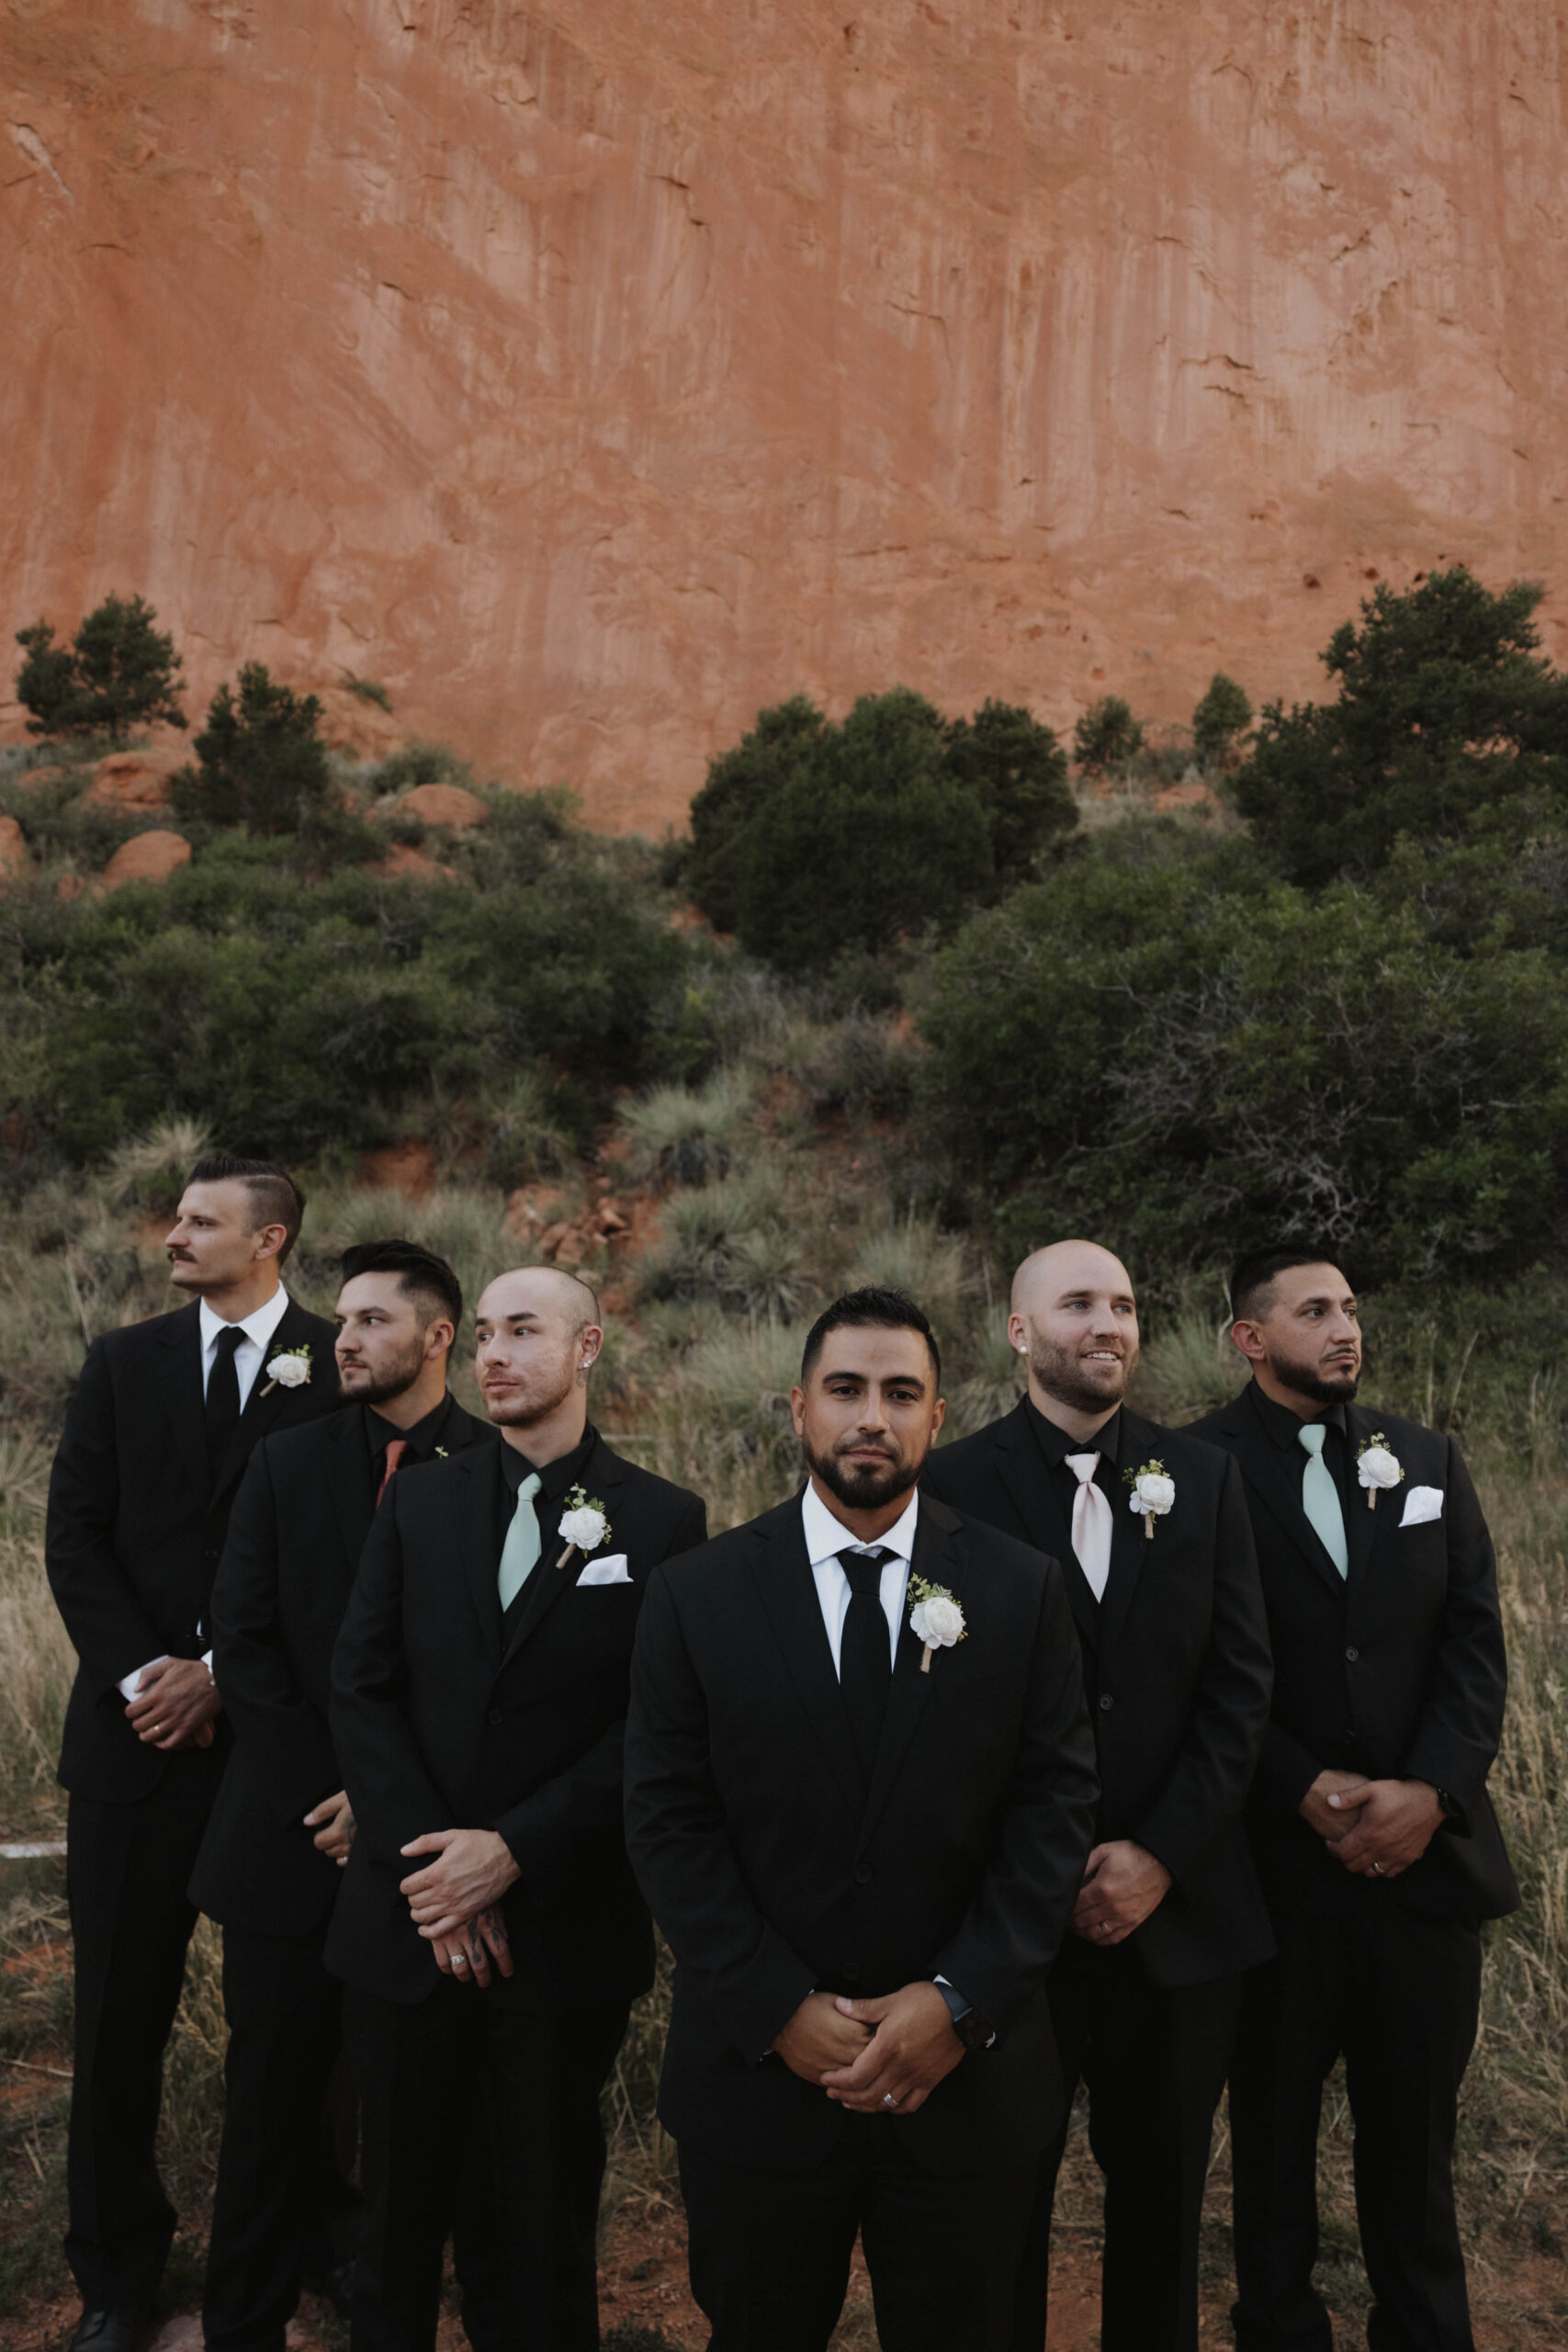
[[591, 375], [145, 857]]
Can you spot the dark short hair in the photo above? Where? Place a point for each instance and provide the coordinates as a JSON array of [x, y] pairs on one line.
[[421, 1273], [889, 1311], [275, 1196], [1254, 1275]]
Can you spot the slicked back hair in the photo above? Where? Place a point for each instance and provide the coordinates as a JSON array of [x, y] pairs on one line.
[[1253, 1277], [888, 1310], [420, 1274], [275, 1198]]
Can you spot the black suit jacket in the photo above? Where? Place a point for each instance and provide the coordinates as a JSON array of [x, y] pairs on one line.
[[1177, 1663], [773, 1874], [438, 1725], [137, 1519], [1397, 1671], [297, 1529]]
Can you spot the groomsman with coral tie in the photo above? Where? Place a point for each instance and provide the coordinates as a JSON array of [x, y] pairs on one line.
[[163, 1420], [1379, 1851], [1152, 1528]]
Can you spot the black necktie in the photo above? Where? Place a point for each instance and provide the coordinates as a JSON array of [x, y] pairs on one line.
[[865, 1655], [223, 1395]]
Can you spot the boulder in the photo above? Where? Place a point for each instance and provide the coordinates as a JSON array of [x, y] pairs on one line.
[[145, 857], [403, 860], [135, 779], [437, 804], [14, 856]]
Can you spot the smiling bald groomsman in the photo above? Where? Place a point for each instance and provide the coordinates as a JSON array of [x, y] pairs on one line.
[[163, 1420], [271, 1864], [488, 1929], [1163, 1583], [1380, 1850]]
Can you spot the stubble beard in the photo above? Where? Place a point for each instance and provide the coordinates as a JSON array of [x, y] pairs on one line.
[[522, 1412], [857, 1489], [381, 1387], [1311, 1380], [1061, 1374]]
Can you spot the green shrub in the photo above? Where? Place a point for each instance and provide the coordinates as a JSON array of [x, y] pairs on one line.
[[810, 839], [1165, 1047], [118, 673], [260, 759], [1223, 713], [1445, 718], [1106, 734]]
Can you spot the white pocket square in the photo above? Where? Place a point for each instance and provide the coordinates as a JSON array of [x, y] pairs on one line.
[[611, 1570], [1421, 1504]]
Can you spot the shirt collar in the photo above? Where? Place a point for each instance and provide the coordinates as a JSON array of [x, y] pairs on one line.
[[1056, 1444], [556, 1476], [1282, 1424], [826, 1536], [420, 1441], [258, 1326]]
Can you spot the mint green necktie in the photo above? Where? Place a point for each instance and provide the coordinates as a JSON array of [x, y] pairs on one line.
[[520, 1553], [1320, 1497]]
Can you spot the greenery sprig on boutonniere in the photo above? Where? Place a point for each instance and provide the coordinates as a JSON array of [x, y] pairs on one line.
[[289, 1370], [1377, 1466], [583, 1524], [1154, 1492], [935, 1617]]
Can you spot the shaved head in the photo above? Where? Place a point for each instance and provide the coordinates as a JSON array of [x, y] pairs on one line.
[[1075, 1319], [541, 1290], [536, 1333]]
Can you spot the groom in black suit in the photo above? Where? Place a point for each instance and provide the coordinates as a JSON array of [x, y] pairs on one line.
[[1146, 1994], [164, 1418], [1379, 1851], [271, 1864], [860, 1791], [488, 1929]]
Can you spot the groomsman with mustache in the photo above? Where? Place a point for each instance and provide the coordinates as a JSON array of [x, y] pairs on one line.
[[165, 1415], [859, 1796], [488, 1930], [1380, 1850], [1152, 1529]]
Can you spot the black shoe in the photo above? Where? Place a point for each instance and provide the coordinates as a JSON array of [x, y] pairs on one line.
[[109, 2330]]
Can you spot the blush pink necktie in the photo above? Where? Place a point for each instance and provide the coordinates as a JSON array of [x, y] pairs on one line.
[[1091, 1523]]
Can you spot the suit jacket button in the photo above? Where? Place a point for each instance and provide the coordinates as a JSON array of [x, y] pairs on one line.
[[862, 1873], [1352, 1655], [850, 1971], [493, 1716], [210, 1553], [1106, 1702]]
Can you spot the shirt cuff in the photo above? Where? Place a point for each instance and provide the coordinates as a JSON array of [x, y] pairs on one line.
[[128, 1682]]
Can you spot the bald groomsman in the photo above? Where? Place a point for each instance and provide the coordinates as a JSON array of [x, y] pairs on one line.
[[488, 1929], [1379, 1851], [1152, 1532]]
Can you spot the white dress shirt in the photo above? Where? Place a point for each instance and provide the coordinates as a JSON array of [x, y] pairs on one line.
[[249, 1356], [826, 1537]]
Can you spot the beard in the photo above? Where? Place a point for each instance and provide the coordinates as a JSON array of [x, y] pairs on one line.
[[1088, 1389], [858, 1487], [364, 1386], [1314, 1380], [521, 1409]]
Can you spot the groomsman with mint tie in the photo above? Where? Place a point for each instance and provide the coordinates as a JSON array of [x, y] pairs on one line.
[[488, 1929], [1379, 1851]]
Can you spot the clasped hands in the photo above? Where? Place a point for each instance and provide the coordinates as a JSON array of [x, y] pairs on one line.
[[1377, 1828], [175, 1703], [453, 1901], [1123, 1882], [867, 2053]]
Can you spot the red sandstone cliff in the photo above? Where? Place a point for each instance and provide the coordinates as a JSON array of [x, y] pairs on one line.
[[595, 372]]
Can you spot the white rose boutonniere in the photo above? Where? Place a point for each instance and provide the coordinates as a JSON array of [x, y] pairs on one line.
[[935, 1617], [290, 1370], [1154, 1493], [1376, 1466], [583, 1524]]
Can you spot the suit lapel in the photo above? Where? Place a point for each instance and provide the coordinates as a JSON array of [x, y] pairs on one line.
[[1277, 1479], [939, 1561], [1025, 1476], [268, 1401], [1130, 1546], [787, 1590], [179, 1373], [601, 1477], [349, 1482], [1361, 1524], [476, 1515]]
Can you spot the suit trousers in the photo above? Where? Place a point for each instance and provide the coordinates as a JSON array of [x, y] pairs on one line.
[[1155, 2061], [127, 1869], [486, 2070], [1398, 1997], [769, 2251], [280, 2198]]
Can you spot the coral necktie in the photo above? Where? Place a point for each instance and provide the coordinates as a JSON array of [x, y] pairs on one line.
[[396, 1449]]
